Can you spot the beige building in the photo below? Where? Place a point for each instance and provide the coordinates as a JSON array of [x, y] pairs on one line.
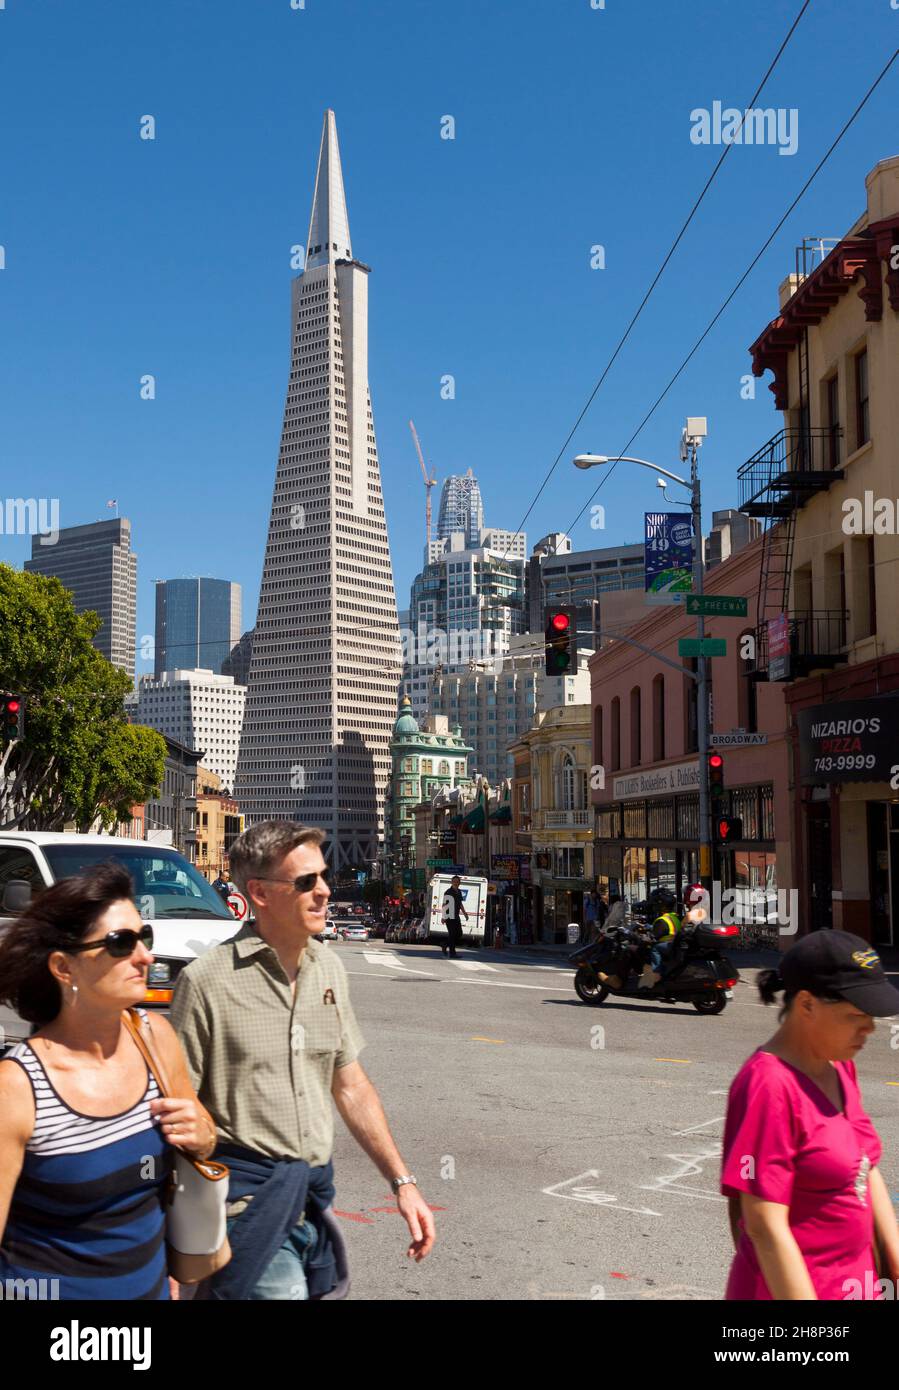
[[558, 750], [826, 488], [218, 824]]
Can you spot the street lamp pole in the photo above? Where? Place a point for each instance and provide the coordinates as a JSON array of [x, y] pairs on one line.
[[691, 438]]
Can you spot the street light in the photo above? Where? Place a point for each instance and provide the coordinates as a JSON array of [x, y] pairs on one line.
[[692, 436]]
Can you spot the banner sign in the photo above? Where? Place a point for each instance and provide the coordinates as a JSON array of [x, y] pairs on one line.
[[779, 648], [850, 741], [512, 867], [668, 557]]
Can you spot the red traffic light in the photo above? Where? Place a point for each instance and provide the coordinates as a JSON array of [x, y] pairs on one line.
[[716, 760], [561, 622], [12, 706]]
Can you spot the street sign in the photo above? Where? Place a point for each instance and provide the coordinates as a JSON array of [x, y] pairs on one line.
[[717, 605], [737, 738], [440, 863], [707, 646], [238, 905]]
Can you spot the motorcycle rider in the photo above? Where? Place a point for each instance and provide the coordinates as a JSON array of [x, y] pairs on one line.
[[665, 925]]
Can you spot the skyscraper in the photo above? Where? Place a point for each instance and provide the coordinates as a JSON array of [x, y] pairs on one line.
[[321, 700], [97, 563], [461, 509], [197, 623]]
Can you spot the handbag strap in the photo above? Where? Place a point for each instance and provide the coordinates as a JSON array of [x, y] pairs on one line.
[[132, 1023]]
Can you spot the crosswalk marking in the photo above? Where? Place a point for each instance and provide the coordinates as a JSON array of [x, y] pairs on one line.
[[473, 965], [388, 959]]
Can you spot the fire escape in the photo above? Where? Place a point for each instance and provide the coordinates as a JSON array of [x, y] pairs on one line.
[[798, 463]]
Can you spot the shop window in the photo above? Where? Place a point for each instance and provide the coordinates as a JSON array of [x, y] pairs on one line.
[[660, 820], [608, 825], [635, 821], [688, 817]]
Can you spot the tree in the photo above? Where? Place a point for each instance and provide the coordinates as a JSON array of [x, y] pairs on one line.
[[80, 760]]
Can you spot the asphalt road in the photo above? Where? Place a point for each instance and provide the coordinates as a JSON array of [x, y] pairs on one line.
[[570, 1152]]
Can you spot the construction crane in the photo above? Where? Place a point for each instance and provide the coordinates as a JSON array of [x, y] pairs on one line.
[[429, 482]]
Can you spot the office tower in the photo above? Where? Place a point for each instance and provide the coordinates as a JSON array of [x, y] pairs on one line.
[[321, 699], [461, 509], [197, 623], [97, 563], [201, 709]]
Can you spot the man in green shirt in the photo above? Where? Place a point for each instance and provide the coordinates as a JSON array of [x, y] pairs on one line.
[[270, 1037]]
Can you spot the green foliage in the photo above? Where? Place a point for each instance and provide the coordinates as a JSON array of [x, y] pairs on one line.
[[80, 759]]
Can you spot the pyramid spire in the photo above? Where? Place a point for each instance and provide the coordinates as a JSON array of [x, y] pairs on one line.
[[329, 225]]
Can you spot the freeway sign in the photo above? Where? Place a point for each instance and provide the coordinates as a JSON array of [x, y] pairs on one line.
[[708, 646], [720, 605]]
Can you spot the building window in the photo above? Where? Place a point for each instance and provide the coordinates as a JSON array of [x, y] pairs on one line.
[[615, 743], [597, 736], [658, 719], [862, 419], [635, 821], [691, 704], [832, 392]]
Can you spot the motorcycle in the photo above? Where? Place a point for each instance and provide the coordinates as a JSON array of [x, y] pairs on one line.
[[699, 973]]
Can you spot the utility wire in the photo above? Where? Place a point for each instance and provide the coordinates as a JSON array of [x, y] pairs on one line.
[[627, 332], [753, 263]]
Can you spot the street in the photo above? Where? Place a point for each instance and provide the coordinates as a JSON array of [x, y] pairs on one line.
[[569, 1152]]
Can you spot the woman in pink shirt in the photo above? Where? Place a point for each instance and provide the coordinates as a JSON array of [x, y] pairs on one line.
[[807, 1201]]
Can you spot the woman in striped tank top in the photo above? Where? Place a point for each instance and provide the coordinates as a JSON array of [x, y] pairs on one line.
[[84, 1133]]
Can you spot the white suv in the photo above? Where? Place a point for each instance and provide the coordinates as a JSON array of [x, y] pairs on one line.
[[186, 913]]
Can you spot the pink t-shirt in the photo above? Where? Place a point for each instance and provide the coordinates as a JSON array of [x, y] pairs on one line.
[[785, 1142]]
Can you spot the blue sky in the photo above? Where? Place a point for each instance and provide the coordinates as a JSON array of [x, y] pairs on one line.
[[171, 257]]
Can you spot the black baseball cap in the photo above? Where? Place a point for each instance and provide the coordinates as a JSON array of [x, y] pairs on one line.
[[830, 961]]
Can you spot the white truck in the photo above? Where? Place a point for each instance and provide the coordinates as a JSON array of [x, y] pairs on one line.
[[474, 901], [186, 913]]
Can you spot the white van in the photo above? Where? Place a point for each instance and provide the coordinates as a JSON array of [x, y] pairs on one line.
[[474, 900], [186, 913]]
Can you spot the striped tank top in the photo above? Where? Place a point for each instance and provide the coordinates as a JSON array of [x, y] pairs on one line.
[[87, 1208]]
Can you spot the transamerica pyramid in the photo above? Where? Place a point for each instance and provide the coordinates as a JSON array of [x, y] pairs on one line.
[[321, 698]]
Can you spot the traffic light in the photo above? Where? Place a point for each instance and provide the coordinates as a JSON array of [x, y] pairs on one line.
[[560, 632], [716, 777], [12, 717], [728, 829]]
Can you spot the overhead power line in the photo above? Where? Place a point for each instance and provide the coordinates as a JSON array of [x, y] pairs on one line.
[[659, 273], [752, 264]]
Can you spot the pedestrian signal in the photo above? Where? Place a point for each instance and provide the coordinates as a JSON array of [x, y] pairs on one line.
[[729, 828]]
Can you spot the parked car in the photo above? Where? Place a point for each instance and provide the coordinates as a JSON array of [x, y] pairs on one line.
[[186, 913], [329, 932]]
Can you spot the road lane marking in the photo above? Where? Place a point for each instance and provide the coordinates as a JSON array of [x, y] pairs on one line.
[[683, 1061], [472, 965], [490, 1040]]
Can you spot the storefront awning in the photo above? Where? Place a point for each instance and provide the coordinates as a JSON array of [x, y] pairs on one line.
[[502, 816], [474, 821]]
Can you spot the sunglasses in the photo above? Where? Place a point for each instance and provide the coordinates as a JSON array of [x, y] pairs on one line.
[[305, 883], [119, 943]]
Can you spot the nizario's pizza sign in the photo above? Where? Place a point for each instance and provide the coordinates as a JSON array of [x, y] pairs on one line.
[[850, 741]]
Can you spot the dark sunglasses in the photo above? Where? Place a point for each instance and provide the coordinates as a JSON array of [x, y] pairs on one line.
[[305, 883], [119, 943]]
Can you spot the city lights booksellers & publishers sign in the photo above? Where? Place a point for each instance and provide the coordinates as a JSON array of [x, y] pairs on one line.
[[662, 781], [849, 741]]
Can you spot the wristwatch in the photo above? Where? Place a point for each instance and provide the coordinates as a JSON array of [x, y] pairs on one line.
[[397, 1183]]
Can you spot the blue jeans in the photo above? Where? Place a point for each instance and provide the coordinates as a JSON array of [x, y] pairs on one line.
[[285, 1277], [660, 956]]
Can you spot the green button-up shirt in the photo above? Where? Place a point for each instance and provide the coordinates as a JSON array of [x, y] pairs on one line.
[[261, 1056]]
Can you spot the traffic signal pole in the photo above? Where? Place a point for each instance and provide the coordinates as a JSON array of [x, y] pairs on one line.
[[706, 872]]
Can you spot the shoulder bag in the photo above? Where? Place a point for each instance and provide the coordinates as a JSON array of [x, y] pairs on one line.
[[195, 1230]]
